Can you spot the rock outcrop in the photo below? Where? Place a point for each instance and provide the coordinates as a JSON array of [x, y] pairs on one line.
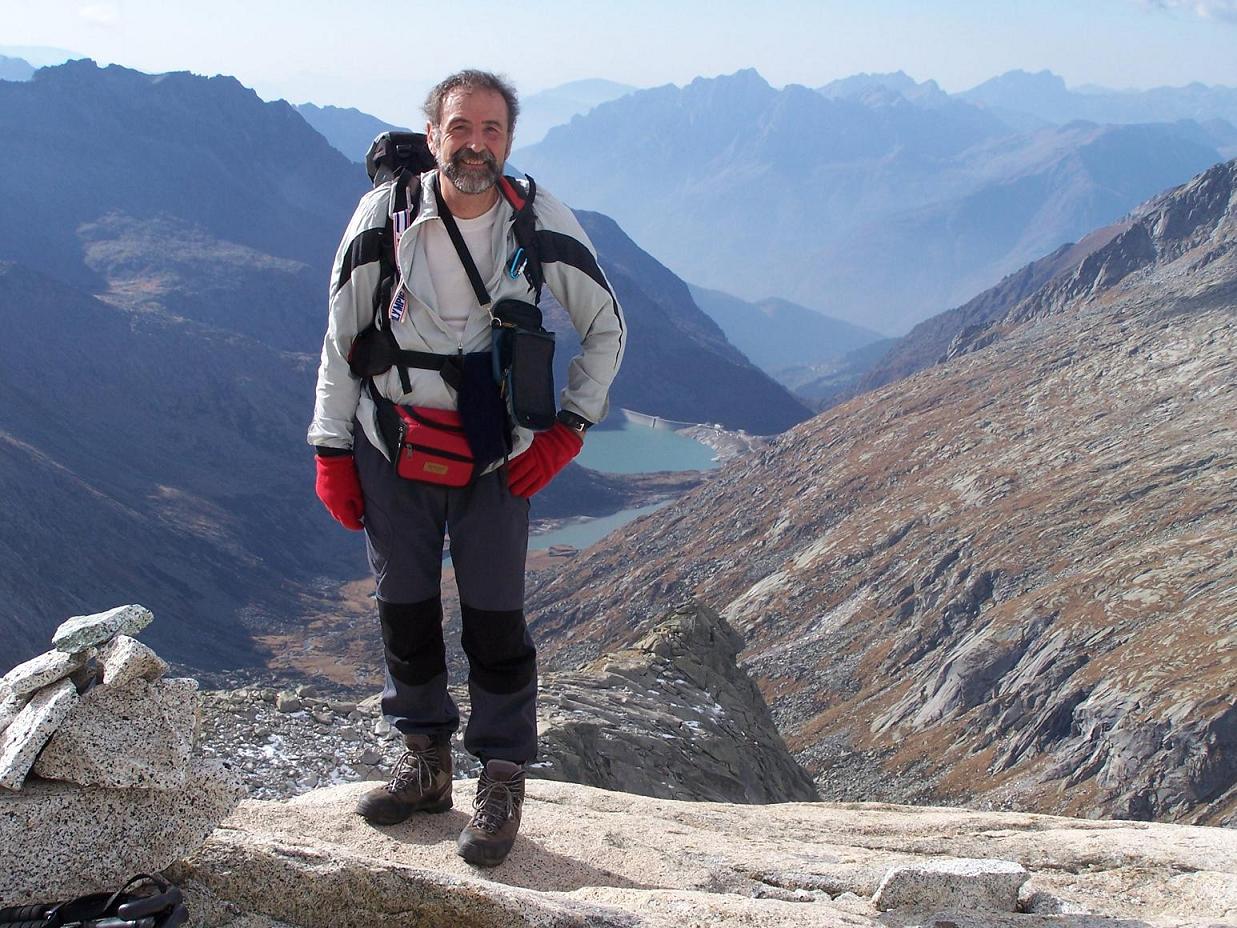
[[596, 859], [1008, 579], [672, 717], [97, 764]]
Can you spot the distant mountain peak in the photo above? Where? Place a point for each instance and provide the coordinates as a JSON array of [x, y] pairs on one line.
[[1042, 78], [883, 89], [15, 69], [744, 77]]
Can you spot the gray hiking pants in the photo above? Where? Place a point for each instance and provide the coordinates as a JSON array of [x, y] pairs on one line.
[[405, 523]]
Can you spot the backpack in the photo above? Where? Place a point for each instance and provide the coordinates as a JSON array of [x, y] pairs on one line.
[[402, 157]]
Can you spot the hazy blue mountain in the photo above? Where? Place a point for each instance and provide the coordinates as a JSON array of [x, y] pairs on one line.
[[39, 56], [679, 363], [349, 131], [15, 69], [881, 213], [1045, 96], [830, 382], [542, 111], [928, 342], [205, 152], [777, 334], [147, 458], [899, 82]]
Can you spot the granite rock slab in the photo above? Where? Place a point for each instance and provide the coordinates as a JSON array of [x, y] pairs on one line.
[[59, 840], [976, 885], [43, 670], [10, 705], [125, 658], [138, 735], [28, 733], [82, 631], [590, 858]]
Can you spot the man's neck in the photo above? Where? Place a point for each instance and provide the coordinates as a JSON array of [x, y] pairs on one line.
[[466, 205]]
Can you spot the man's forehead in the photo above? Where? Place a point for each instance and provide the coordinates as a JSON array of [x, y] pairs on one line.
[[478, 104]]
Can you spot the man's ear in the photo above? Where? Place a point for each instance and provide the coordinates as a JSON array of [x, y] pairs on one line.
[[431, 139]]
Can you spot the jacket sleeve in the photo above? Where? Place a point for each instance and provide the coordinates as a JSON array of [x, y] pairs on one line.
[[354, 280], [573, 275]]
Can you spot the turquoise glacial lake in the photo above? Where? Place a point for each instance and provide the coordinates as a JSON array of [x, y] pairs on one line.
[[638, 449], [633, 449]]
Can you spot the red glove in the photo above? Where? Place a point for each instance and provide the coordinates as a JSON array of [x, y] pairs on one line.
[[339, 488], [550, 452]]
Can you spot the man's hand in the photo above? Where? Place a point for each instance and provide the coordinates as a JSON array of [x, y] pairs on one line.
[[339, 488], [550, 452]]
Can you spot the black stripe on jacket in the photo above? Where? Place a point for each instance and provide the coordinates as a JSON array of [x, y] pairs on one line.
[[364, 249], [555, 246]]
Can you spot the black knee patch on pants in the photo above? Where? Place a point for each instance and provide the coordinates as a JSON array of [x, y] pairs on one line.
[[412, 638], [501, 656]]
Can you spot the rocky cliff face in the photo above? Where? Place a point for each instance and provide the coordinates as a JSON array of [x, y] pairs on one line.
[[1008, 579], [673, 717]]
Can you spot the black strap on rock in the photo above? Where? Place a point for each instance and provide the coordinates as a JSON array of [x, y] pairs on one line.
[[461, 249], [163, 908]]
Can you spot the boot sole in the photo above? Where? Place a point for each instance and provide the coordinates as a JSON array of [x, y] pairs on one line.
[[444, 805], [479, 856]]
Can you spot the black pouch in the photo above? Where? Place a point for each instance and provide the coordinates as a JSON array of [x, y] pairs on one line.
[[482, 413], [523, 360]]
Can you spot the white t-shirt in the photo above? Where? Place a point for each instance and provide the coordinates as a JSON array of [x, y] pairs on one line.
[[453, 293]]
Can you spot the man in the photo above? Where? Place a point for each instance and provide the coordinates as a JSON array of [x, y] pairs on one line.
[[436, 309]]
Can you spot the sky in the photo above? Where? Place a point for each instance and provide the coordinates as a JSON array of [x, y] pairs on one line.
[[381, 58]]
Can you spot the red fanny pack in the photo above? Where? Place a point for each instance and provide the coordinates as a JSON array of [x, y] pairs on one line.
[[432, 447]]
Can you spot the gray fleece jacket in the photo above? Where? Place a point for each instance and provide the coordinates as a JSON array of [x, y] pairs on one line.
[[572, 274]]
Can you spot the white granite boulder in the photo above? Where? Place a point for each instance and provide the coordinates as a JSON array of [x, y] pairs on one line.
[[58, 840], [137, 735], [125, 658], [958, 883], [10, 705], [25, 736], [43, 670], [80, 632]]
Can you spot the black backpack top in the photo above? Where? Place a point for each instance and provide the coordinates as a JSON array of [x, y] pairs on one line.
[[392, 153]]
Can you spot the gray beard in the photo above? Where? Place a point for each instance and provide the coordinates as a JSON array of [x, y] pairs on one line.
[[470, 180]]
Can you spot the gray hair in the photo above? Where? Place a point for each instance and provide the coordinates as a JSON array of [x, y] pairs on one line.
[[472, 80]]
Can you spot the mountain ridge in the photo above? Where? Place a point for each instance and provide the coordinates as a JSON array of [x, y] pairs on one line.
[[879, 213]]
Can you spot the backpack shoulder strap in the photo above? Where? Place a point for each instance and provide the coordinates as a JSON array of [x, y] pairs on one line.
[[525, 228], [402, 208]]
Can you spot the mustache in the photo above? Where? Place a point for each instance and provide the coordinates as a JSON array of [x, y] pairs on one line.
[[464, 156]]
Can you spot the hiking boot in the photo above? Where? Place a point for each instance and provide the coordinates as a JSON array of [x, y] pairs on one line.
[[421, 783], [488, 836]]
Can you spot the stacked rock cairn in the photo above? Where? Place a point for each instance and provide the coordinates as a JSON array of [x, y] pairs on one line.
[[99, 773]]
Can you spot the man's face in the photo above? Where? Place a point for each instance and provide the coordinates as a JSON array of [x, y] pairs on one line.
[[473, 140]]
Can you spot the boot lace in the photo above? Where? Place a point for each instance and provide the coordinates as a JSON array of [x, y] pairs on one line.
[[496, 801], [415, 767]]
